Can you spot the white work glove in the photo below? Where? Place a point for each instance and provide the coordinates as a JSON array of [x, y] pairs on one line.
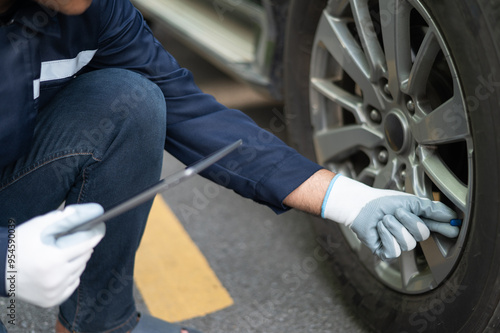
[[49, 269], [386, 221]]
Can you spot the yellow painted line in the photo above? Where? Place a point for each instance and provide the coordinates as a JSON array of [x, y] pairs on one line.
[[172, 274]]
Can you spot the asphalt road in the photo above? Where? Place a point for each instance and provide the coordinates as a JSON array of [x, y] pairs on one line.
[[271, 265]]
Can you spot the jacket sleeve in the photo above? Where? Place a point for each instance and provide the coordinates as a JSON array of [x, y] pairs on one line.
[[264, 168]]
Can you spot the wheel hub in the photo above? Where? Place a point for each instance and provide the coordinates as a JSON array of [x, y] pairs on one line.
[[396, 131]]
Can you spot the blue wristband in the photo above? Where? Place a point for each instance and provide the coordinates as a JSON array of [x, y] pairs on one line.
[[327, 195]]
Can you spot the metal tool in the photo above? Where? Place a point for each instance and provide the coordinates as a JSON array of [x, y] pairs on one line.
[[161, 186]]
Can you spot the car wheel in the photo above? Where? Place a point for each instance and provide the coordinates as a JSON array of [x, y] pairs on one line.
[[404, 94]]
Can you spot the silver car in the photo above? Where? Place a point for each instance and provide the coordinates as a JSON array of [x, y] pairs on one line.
[[399, 94]]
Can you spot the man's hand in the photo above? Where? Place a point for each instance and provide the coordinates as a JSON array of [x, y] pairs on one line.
[[49, 269], [386, 221]]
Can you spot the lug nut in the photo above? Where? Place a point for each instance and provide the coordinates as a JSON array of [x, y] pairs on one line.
[[410, 106], [383, 156], [387, 91], [375, 116]]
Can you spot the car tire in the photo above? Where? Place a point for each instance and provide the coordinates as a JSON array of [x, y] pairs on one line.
[[467, 298]]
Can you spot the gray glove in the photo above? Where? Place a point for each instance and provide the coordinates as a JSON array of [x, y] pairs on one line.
[[386, 221]]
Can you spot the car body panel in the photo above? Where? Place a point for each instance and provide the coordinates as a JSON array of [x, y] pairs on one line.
[[238, 36]]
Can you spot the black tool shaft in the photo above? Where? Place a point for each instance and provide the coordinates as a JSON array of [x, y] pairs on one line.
[[151, 192]]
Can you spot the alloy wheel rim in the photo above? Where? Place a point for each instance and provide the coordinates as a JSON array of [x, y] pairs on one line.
[[388, 110]]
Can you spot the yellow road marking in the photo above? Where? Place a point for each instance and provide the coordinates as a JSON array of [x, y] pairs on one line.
[[172, 274]]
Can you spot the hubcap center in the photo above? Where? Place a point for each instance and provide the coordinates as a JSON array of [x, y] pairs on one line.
[[395, 128]]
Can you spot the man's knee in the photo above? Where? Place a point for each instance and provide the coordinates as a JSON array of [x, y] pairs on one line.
[[106, 107], [134, 95], [126, 101], [129, 95]]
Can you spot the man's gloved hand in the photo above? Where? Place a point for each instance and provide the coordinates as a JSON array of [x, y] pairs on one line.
[[49, 269], [386, 221]]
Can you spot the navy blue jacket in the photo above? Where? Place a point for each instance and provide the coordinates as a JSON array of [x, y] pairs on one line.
[[41, 51]]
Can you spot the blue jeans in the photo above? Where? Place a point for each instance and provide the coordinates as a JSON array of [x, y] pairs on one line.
[[100, 139]]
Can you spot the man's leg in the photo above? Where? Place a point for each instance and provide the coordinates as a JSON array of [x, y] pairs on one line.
[[100, 140]]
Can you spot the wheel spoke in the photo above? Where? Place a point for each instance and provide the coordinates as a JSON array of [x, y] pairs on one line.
[[439, 264], [385, 176], [416, 181], [446, 124], [443, 178], [422, 65], [408, 267], [368, 36], [335, 36], [395, 21], [337, 8], [338, 95], [340, 43], [340, 142], [368, 174]]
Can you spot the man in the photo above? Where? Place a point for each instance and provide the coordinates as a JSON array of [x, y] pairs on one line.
[[89, 101]]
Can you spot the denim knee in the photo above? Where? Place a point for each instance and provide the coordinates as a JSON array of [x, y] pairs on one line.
[[127, 103], [134, 98]]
